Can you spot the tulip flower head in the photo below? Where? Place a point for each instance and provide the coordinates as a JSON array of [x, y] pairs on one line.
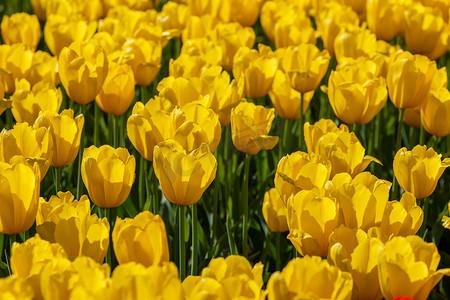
[[108, 174], [21, 28], [274, 211], [418, 171]]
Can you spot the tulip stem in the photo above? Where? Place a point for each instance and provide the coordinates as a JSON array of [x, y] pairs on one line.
[[300, 124], [277, 249], [57, 178], [115, 131], [12, 240], [80, 154], [156, 200], [142, 191], [194, 240], [398, 144], [182, 246], [9, 123], [245, 202], [285, 137], [423, 228], [422, 135]]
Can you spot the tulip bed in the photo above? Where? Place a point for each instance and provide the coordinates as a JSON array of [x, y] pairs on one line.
[[233, 149]]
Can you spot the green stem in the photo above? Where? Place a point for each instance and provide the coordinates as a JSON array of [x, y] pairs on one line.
[[300, 125], [143, 94], [194, 240], [231, 244], [354, 126], [285, 137], [277, 249], [80, 156], [377, 131], [9, 122], [96, 124], [57, 178], [115, 131], [156, 196], [182, 246], [245, 202], [398, 144], [108, 253], [215, 205], [422, 135], [423, 228], [142, 191], [12, 240]]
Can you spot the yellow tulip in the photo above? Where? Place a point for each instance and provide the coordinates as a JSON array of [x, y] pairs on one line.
[[180, 91], [206, 7], [142, 240], [354, 251], [434, 111], [25, 144], [353, 42], [285, 99], [15, 288], [250, 126], [83, 68], [187, 66], [21, 28], [15, 63], [385, 18], [418, 171], [412, 117], [108, 174], [300, 171], [446, 220], [146, 60], [29, 258], [134, 281], [231, 37], [183, 177], [117, 91], [173, 17], [331, 19], [61, 31], [40, 8], [20, 185], [292, 31], [305, 66], [258, 69], [198, 27], [355, 94], [409, 79], [313, 133], [271, 12], [358, 6], [362, 200], [312, 217], [310, 278], [28, 101], [43, 68], [408, 267], [195, 287], [402, 218], [4, 103], [274, 211], [65, 131], [244, 12], [423, 28]]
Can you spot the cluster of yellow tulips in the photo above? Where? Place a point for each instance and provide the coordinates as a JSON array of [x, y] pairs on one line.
[[245, 129]]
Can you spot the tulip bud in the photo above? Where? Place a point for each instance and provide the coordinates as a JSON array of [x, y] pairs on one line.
[[385, 18], [15, 63], [16, 288], [292, 31], [21, 28], [108, 174], [142, 239], [43, 68], [274, 211], [434, 112], [353, 42]]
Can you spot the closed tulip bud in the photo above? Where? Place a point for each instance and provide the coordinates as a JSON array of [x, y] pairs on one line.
[[43, 68], [285, 99], [197, 286], [134, 281], [292, 31], [83, 68], [402, 218], [313, 133], [173, 17], [274, 211], [305, 66], [180, 91], [16, 288], [40, 8], [20, 184], [409, 79], [354, 41], [271, 12], [231, 37], [15, 63], [69, 223], [310, 277], [434, 111], [250, 126], [355, 94], [147, 126], [354, 251], [206, 7], [27, 102], [244, 12], [21, 28], [300, 171], [29, 258], [418, 171], [423, 28], [25, 144], [108, 174], [146, 60], [385, 18], [60, 32], [142, 239], [187, 66], [331, 19], [312, 217], [258, 69], [183, 177], [198, 26], [65, 131], [408, 267], [117, 92], [362, 200]]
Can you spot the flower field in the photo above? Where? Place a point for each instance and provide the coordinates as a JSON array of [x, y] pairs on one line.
[[224, 149]]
